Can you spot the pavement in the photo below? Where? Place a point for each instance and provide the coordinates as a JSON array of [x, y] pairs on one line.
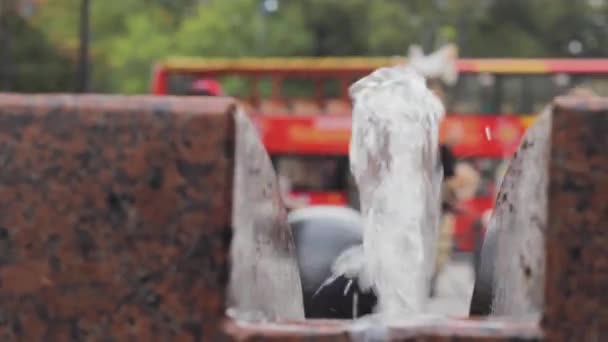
[[454, 288]]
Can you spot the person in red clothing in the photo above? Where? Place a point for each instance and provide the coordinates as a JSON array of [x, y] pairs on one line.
[[205, 87]]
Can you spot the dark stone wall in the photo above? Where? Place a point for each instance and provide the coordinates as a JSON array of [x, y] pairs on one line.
[[576, 304], [114, 217]]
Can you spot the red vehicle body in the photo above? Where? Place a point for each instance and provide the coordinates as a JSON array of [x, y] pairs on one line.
[[302, 110]]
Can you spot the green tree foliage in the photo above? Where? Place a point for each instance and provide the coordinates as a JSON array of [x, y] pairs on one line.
[[538, 28], [28, 61], [125, 37], [128, 36], [239, 28]]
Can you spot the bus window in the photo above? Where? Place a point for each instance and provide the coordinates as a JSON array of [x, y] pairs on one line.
[[562, 83], [525, 94], [543, 90], [264, 87], [299, 87], [472, 94], [335, 95], [598, 84], [236, 86], [330, 88], [511, 91], [179, 84], [301, 95], [268, 100]]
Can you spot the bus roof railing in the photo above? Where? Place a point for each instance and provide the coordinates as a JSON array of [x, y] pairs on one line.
[[365, 64]]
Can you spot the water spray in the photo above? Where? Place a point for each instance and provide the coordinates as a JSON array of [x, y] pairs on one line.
[[395, 162]]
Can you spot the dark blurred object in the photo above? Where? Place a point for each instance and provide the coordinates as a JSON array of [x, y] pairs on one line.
[[485, 250], [448, 161], [206, 87], [321, 234], [479, 229]]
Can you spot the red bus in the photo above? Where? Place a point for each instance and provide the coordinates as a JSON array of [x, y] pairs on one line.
[[302, 109]]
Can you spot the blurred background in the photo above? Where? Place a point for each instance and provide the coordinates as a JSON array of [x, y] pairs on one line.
[[40, 38], [290, 62]]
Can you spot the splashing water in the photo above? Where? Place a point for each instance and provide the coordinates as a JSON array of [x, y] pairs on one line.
[[488, 133], [394, 159], [347, 287]]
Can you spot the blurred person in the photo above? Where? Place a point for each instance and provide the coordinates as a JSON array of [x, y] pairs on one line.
[[465, 181], [461, 182]]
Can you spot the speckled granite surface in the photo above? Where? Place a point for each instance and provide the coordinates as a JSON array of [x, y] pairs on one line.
[[576, 304], [114, 217]]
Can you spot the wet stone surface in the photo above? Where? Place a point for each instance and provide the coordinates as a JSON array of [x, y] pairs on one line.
[[264, 280], [510, 281]]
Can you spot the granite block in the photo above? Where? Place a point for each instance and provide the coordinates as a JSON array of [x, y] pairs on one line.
[[576, 304], [114, 217]]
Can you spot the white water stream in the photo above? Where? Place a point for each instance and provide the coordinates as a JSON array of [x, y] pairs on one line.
[[394, 159]]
